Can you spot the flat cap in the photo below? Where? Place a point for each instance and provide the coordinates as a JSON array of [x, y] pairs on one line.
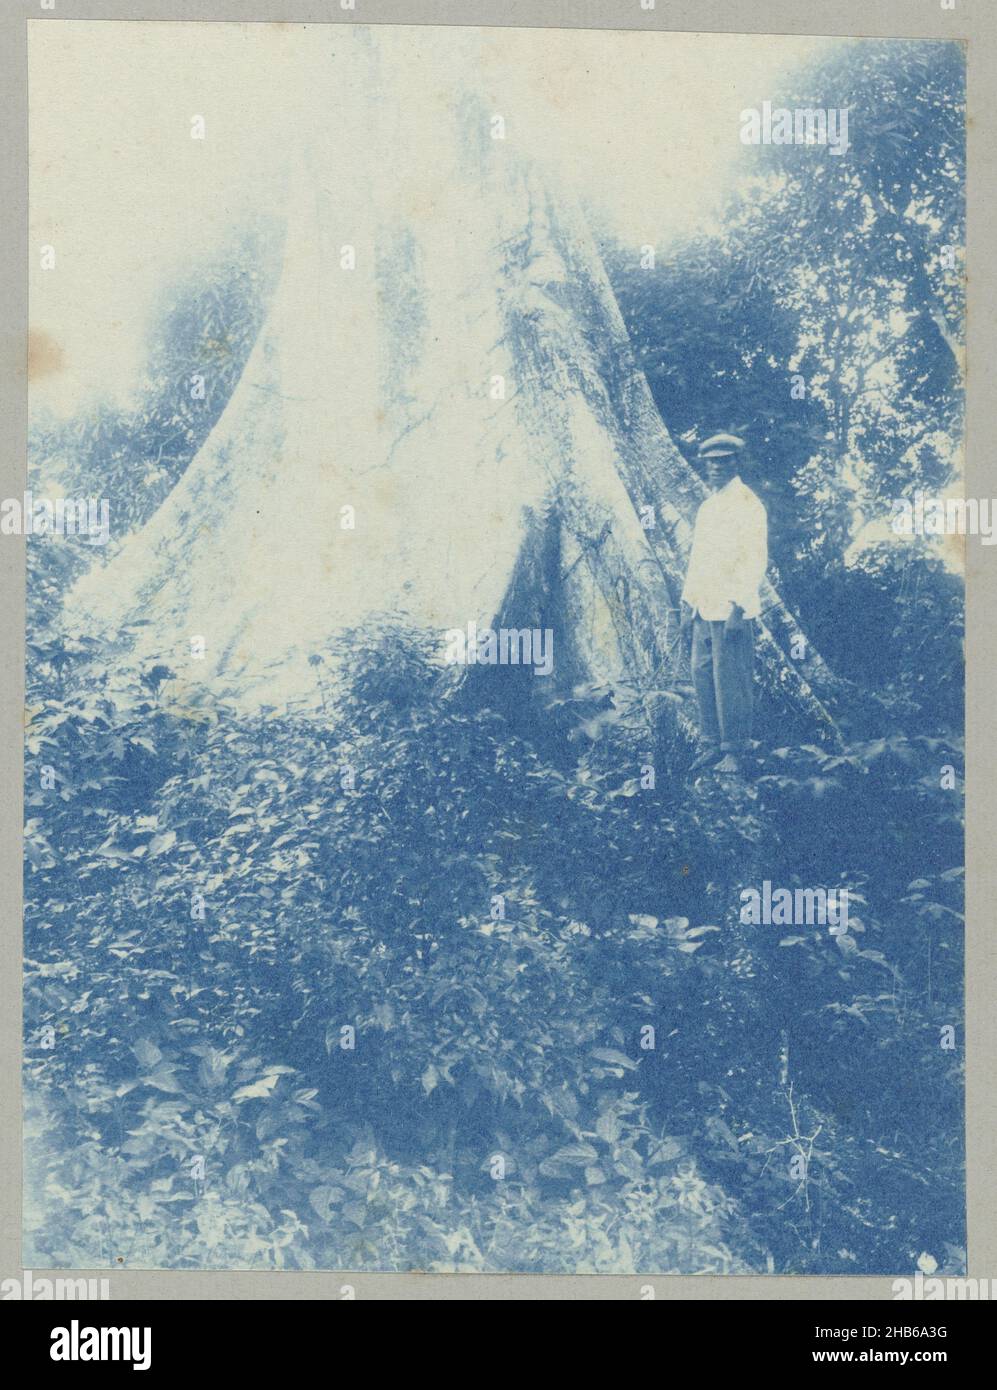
[[720, 446]]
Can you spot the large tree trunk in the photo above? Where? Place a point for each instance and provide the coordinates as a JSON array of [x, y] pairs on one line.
[[467, 376]]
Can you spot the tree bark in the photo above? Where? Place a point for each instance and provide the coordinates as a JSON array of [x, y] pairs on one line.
[[638, 570]]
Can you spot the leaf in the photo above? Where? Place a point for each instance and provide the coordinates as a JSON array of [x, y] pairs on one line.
[[159, 844], [322, 1198], [614, 1058], [213, 1066], [147, 1052], [257, 1090], [384, 1016], [163, 1079], [664, 1152], [608, 1127], [566, 1160]]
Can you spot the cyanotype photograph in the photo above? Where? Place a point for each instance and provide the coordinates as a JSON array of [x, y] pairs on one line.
[[494, 729]]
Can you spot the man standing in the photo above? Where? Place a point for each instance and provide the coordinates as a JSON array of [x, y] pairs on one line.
[[720, 600]]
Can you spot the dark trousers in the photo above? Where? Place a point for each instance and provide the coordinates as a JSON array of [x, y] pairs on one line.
[[722, 674]]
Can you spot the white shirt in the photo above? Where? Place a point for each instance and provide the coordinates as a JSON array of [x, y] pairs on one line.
[[729, 554]]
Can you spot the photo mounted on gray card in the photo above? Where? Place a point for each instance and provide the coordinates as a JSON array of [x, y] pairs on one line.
[[494, 734]]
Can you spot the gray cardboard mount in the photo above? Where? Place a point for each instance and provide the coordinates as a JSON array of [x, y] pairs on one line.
[[972, 21]]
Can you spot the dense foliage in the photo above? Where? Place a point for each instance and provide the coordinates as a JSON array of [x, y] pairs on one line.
[[372, 907]]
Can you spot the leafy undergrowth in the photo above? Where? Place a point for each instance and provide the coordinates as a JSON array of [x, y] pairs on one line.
[[392, 992]]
